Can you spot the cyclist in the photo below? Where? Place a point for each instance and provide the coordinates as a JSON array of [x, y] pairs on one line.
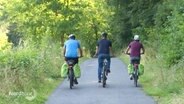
[[71, 49], [135, 48], [103, 50]]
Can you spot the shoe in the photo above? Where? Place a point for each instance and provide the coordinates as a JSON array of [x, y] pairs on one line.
[[75, 81], [131, 77], [99, 81], [108, 71], [105, 78]]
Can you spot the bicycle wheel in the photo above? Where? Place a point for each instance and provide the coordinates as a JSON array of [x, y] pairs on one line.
[[135, 77], [71, 76], [104, 77]]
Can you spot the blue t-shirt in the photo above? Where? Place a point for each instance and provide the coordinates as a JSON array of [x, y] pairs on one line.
[[71, 47], [103, 46]]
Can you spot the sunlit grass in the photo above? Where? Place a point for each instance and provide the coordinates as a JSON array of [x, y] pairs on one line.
[[163, 83], [4, 44], [28, 70]]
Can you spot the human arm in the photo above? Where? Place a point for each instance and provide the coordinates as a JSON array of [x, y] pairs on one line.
[[127, 50], [81, 52], [96, 51], [111, 51], [64, 51], [143, 50]]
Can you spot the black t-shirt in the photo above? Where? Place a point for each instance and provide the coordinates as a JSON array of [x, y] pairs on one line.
[[103, 46]]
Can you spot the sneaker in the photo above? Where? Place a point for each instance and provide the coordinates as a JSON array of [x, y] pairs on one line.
[[108, 71], [131, 77], [75, 81], [99, 81]]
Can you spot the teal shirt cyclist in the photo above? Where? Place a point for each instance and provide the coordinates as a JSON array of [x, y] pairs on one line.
[[71, 49]]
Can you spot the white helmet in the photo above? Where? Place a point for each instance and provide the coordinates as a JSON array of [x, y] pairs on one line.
[[136, 37]]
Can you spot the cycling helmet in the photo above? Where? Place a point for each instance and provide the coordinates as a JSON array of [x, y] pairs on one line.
[[104, 34], [71, 36], [136, 37]]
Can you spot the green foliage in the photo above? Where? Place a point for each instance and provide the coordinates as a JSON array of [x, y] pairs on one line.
[[29, 68], [40, 22], [172, 34], [39, 25], [159, 24], [57, 18], [163, 83], [160, 81], [132, 17]]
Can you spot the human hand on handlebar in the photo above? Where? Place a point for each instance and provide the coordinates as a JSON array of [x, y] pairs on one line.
[[95, 55], [127, 53], [112, 55], [80, 56]]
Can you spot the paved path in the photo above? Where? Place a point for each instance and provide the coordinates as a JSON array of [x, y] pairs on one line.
[[119, 89]]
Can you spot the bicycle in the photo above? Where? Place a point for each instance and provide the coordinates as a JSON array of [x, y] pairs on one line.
[[135, 74], [71, 72]]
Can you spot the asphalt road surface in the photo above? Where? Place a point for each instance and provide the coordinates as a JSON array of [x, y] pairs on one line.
[[119, 89]]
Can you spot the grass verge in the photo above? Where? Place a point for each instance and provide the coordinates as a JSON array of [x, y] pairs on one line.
[[34, 96], [30, 74], [164, 84]]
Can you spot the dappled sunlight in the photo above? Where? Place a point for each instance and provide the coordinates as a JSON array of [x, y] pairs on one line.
[[4, 44]]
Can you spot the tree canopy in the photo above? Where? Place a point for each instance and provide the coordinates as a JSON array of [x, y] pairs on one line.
[[158, 22]]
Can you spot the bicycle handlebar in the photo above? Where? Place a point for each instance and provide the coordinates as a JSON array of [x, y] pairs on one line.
[[129, 53], [95, 56]]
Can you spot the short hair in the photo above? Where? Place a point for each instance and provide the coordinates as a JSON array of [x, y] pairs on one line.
[[104, 34]]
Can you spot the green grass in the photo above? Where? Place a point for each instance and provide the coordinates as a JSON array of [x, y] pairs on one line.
[[30, 74], [29, 71], [164, 84], [37, 95]]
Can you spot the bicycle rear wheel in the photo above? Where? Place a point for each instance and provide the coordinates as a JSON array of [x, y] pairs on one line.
[[71, 76], [135, 77], [104, 77]]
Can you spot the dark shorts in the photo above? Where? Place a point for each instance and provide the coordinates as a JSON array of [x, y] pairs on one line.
[[71, 58], [135, 60]]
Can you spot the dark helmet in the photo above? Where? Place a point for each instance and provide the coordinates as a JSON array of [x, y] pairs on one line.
[[71, 36], [104, 34]]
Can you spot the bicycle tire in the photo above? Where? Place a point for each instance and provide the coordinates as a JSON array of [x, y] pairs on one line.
[[135, 77], [71, 76], [104, 77]]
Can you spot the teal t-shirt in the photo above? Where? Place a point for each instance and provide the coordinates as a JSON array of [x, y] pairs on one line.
[[71, 47]]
